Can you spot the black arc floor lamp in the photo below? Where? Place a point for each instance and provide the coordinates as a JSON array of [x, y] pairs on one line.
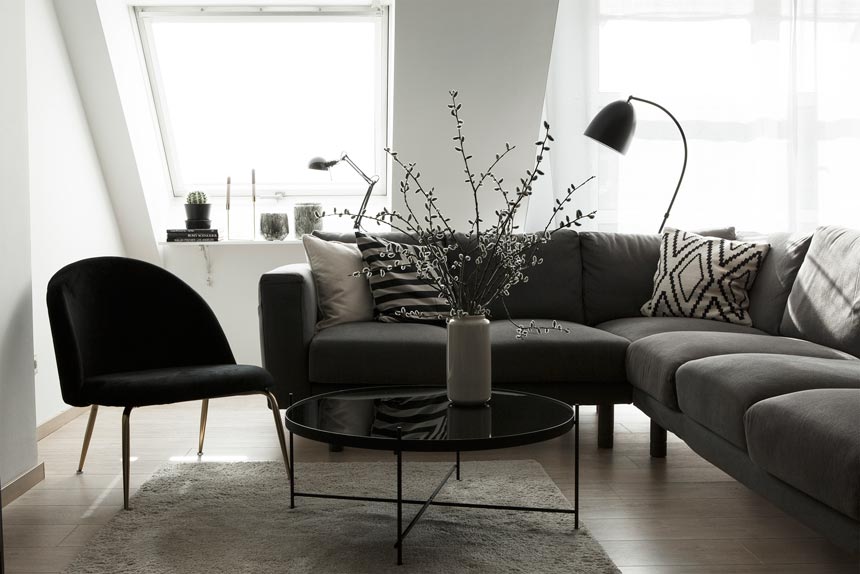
[[614, 126], [321, 164]]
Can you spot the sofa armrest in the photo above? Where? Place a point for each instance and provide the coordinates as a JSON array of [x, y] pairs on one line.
[[288, 314]]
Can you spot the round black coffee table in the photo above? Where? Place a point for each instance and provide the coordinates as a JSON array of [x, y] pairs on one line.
[[420, 419]]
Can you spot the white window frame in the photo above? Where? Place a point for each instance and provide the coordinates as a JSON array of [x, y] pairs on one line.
[[379, 14]]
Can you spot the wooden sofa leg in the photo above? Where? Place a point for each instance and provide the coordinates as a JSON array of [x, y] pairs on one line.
[[335, 447], [658, 441], [605, 425]]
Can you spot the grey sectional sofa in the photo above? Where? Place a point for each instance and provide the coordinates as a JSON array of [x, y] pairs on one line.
[[775, 405]]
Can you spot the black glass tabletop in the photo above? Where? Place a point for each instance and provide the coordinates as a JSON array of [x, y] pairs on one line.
[[370, 418]]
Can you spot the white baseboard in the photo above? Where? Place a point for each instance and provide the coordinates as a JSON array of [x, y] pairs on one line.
[[22, 484], [58, 421]]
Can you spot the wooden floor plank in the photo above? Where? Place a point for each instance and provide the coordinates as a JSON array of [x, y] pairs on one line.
[[654, 516]]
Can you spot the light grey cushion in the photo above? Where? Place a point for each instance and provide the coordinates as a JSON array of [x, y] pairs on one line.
[[585, 354], [717, 391], [653, 361], [554, 289], [635, 328], [809, 440], [824, 304], [770, 291], [704, 277], [341, 297], [374, 353], [618, 271]]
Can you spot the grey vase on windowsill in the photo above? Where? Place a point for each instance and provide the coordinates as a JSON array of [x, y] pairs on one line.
[[469, 377]]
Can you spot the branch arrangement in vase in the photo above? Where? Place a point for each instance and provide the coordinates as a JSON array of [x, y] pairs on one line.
[[472, 270]]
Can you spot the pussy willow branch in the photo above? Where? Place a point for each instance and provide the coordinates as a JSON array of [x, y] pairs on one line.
[[525, 191]]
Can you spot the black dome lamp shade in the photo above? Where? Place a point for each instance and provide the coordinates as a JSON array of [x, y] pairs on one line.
[[321, 164], [614, 126]]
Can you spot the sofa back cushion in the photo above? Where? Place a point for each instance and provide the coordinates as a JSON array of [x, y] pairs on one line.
[[776, 276], [618, 271], [554, 288], [824, 303]]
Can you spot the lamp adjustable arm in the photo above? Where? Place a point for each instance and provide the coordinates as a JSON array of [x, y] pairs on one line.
[[370, 181], [357, 169], [683, 168]]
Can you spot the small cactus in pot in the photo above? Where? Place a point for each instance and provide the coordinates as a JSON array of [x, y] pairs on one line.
[[197, 208]]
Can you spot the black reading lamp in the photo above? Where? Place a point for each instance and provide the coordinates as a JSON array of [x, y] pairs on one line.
[[323, 165], [614, 125]]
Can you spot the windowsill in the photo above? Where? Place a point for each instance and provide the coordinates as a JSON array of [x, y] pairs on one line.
[[228, 242]]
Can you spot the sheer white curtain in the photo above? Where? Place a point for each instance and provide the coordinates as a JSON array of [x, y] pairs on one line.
[[768, 93]]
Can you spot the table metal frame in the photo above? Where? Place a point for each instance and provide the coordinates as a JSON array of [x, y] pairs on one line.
[[425, 504]]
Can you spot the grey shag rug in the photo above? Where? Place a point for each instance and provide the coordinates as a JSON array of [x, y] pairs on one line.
[[235, 518]]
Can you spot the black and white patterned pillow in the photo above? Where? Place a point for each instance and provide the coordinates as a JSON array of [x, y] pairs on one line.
[[400, 296], [704, 277]]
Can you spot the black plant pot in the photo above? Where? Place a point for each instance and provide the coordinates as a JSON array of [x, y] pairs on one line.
[[197, 215]]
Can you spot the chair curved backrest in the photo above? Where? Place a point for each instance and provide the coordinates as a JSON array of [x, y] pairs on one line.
[[114, 315]]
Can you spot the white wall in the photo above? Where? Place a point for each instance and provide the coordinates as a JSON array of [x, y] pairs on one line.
[[495, 53], [17, 410], [70, 209], [99, 82], [236, 271]]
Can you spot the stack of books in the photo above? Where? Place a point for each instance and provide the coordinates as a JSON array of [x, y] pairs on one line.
[[191, 235]]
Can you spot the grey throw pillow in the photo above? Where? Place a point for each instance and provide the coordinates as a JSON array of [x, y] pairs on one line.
[[705, 278], [824, 303], [341, 297]]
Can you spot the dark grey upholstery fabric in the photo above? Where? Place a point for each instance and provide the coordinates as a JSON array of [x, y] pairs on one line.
[[585, 354], [811, 440], [717, 391], [618, 271], [554, 289], [635, 328], [838, 527], [824, 304], [373, 353], [288, 314], [776, 276], [653, 361]]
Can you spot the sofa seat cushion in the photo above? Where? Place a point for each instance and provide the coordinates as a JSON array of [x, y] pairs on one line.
[[373, 353], [635, 328], [717, 391], [653, 361], [585, 354], [811, 440]]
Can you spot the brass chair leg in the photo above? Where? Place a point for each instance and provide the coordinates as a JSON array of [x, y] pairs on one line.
[[94, 410], [204, 411], [279, 425], [126, 456]]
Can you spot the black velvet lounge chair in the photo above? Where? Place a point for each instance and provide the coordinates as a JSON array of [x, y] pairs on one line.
[[130, 334]]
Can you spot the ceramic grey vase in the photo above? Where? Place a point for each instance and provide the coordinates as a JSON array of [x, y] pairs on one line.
[[306, 218], [469, 367]]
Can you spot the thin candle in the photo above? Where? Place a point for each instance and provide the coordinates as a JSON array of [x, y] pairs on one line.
[[228, 207], [253, 204]]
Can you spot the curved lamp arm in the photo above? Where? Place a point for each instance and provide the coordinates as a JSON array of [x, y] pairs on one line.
[[683, 168]]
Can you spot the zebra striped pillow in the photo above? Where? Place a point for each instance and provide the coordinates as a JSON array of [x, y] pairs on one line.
[[400, 296]]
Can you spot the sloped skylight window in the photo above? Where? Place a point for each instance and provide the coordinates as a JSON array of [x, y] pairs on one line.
[[236, 90]]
